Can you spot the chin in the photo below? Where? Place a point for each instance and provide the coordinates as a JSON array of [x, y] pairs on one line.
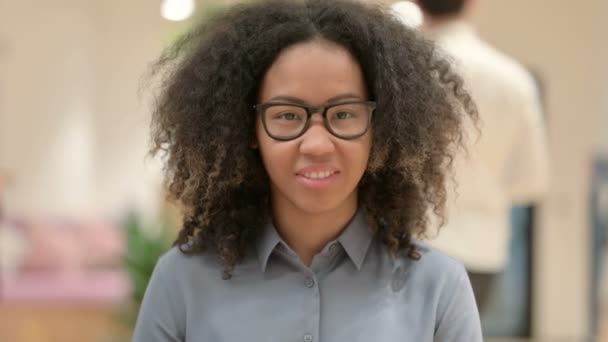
[[319, 206]]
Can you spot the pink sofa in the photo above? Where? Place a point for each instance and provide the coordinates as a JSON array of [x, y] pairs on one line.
[[68, 260]]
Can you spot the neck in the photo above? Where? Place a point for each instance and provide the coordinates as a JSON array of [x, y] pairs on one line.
[[307, 233], [432, 23]]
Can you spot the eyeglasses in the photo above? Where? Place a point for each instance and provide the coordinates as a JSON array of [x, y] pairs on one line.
[[288, 121]]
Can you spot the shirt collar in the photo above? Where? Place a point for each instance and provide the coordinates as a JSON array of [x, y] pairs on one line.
[[355, 239], [266, 244]]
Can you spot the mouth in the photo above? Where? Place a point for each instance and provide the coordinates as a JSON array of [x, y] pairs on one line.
[[317, 179], [321, 175]]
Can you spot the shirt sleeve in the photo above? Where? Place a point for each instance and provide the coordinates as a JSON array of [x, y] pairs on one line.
[[528, 165], [159, 318], [458, 318]]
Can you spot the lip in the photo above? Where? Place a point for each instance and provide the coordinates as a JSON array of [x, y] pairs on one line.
[[317, 168], [317, 183]]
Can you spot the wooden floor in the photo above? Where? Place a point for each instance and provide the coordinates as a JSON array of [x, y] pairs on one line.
[[58, 323], [52, 323]]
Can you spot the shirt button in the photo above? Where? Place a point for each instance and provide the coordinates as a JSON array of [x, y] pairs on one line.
[[309, 282], [333, 249], [308, 338]]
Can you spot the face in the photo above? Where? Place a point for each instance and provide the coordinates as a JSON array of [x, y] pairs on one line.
[[316, 172]]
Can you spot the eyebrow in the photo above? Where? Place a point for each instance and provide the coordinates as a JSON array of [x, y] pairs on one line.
[[348, 96]]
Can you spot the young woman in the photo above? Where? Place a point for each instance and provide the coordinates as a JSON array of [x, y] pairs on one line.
[[307, 142]]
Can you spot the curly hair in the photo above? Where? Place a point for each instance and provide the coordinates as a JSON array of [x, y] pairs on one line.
[[204, 125]]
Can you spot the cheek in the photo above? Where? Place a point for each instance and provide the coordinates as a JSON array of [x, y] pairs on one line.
[[259, 131], [364, 157], [263, 142], [274, 156], [357, 157], [366, 148]]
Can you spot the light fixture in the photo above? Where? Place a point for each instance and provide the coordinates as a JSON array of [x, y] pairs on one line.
[[408, 12], [176, 10]]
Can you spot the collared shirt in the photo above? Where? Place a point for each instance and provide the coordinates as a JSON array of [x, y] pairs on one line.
[[507, 162], [354, 290]]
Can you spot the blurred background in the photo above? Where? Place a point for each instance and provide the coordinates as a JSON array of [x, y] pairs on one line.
[[82, 211]]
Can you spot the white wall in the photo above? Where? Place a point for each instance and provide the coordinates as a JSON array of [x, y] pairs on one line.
[[69, 75], [601, 133], [129, 39], [47, 103]]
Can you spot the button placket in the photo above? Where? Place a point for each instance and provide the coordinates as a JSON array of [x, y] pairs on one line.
[[309, 282], [311, 309]]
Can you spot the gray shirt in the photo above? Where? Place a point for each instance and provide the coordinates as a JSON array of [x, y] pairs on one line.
[[354, 290]]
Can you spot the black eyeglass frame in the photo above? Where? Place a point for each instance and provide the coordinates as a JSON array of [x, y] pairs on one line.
[[310, 110]]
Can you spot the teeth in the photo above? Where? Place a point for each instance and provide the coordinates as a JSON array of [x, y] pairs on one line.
[[318, 175]]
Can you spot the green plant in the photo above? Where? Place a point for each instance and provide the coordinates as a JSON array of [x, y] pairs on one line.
[[145, 243]]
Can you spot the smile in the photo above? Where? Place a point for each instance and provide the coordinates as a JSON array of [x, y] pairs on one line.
[[318, 175]]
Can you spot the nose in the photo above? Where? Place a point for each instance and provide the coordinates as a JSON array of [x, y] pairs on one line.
[[317, 140]]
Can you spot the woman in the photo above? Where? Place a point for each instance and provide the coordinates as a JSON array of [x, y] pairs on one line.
[[307, 141]]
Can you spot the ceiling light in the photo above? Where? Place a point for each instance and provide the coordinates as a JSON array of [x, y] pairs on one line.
[[177, 10]]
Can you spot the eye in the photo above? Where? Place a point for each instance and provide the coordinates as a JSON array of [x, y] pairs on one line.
[[288, 116], [344, 115]]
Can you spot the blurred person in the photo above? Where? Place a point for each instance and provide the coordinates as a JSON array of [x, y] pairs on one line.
[[305, 142], [507, 160]]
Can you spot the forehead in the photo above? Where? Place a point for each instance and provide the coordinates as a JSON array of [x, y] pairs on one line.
[[313, 71]]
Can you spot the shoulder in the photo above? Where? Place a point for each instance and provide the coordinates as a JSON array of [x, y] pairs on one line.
[[445, 281], [492, 67], [448, 292], [181, 267], [435, 269], [478, 59], [433, 259], [510, 70]]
